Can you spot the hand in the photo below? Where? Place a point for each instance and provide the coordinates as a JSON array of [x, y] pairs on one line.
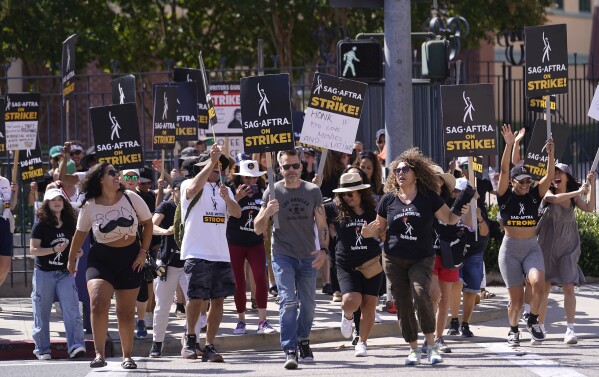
[[170, 231], [139, 262], [371, 230], [508, 135], [157, 165], [584, 189], [243, 190], [14, 187], [272, 207], [465, 208], [321, 255], [33, 187], [59, 248], [66, 150], [160, 183], [223, 191], [520, 135], [453, 164], [549, 145], [215, 153], [591, 177], [317, 180], [72, 266]]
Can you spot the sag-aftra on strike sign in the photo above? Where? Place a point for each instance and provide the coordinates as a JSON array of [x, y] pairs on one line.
[[546, 60]]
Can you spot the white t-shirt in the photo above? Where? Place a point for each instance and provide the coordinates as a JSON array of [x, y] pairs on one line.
[[5, 195], [206, 227]]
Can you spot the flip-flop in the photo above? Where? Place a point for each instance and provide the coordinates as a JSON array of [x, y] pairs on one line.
[[128, 363], [98, 362]]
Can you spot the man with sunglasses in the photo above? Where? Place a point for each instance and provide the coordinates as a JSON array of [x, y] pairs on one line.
[[76, 153], [298, 206]]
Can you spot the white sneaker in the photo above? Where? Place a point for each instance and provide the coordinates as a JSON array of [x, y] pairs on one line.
[[346, 326], [43, 356], [77, 352], [377, 318], [149, 320], [570, 337], [203, 320], [361, 350]]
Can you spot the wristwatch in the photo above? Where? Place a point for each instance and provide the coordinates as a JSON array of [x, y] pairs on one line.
[[326, 251]]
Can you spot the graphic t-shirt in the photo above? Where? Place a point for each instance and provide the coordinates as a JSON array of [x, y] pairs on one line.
[[5, 196], [352, 249], [110, 223], [409, 226], [520, 210], [240, 231], [49, 237], [169, 251]]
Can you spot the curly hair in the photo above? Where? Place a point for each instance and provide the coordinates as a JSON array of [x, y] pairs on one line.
[[91, 184], [368, 204], [67, 215], [426, 178]]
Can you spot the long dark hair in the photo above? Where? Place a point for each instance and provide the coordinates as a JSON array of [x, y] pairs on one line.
[[91, 184], [571, 185], [345, 212], [377, 174], [68, 216]]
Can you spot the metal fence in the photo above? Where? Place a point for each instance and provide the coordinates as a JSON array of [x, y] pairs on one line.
[[510, 107]]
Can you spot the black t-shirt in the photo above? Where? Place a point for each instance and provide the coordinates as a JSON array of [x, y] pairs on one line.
[[150, 198], [169, 251], [50, 237], [352, 249], [520, 210], [409, 226], [474, 247], [444, 231], [240, 231]]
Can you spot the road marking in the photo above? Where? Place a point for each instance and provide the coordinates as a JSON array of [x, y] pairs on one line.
[[535, 363], [114, 369], [40, 363]]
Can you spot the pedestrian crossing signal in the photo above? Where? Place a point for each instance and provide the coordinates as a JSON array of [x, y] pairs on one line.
[[360, 60]]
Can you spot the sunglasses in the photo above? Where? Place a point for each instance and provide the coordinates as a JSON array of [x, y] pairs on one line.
[[348, 194], [524, 181], [112, 173], [73, 153], [289, 166], [404, 169], [130, 177]]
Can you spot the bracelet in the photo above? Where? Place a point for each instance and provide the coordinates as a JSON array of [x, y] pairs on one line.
[[480, 222], [145, 251], [324, 249], [54, 251]]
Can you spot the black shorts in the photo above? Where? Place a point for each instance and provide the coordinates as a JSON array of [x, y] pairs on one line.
[[114, 264], [207, 280], [351, 280], [5, 238]]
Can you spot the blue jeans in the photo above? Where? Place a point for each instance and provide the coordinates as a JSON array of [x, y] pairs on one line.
[[471, 272], [296, 281], [45, 285]]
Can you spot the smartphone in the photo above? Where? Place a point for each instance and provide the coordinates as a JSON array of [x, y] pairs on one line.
[[253, 189]]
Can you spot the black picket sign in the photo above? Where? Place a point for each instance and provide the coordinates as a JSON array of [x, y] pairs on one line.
[[536, 156], [188, 75], [165, 117], [68, 66], [123, 90], [546, 60]]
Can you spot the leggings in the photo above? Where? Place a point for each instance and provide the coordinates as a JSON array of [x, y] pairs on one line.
[[256, 257]]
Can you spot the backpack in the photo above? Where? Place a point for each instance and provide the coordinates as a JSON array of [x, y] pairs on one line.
[[178, 225]]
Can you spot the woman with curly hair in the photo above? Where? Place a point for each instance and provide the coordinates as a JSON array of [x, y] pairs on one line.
[[117, 257], [369, 163], [407, 213], [560, 241], [50, 237]]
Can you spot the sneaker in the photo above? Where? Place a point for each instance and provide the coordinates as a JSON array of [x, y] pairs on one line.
[[433, 355], [265, 328], [180, 311], [535, 331], [361, 350], [240, 329], [346, 326], [524, 319], [203, 322], [441, 346], [570, 337], [305, 351], [149, 320], [290, 360], [356, 338], [424, 348], [465, 330], [189, 347], [390, 307], [413, 357], [141, 331], [337, 297], [377, 318], [156, 350], [210, 354], [43, 356], [77, 352], [513, 339], [454, 327], [274, 291], [327, 289]]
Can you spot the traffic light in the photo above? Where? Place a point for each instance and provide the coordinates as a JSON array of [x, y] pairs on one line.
[[435, 59], [361, 60]]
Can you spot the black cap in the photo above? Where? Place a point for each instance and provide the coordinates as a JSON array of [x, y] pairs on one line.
[[187, 167], [205, 157], [188, 152], [519, 172], [177, 181]]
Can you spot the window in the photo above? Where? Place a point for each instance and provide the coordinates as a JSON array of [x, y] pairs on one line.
[[559, 4], [584, 6]]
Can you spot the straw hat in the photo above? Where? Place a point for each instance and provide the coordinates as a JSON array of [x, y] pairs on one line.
[[351, 182], [448, 178]]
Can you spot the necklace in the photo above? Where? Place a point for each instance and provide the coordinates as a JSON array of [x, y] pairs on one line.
[[213, 188]]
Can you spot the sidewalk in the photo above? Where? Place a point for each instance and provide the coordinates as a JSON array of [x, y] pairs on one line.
[[16, 323]]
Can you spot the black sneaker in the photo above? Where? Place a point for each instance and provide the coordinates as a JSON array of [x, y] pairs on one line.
[[305, 351], [290, 360], [356, 337], [210, 354], [524, 318], [189, 347], [156, 350], [465, 330], [513, 339], [274, 291], [454, 327], [327, 289], [180, 310], [535, 330]]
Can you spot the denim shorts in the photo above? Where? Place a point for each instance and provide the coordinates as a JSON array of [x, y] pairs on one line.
[[471, 272], [5, 238], [207, 280]]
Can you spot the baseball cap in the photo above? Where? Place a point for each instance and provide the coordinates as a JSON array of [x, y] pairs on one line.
[[204, 159], [53, 193], [177, 181], [188, 152], [146, 175], [129, 171], [55, 151], [379, 133], [564, 168], [519, 172], [187, 166]]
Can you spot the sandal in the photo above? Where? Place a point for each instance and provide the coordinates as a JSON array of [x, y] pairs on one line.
[[128, 363], [486, 294], [98, 362]]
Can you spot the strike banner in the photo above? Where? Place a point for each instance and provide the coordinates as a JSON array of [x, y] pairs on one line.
[[266, 113], [539, 105], [536, 156], [123, 90], [226, 97], [546, 60], [165, 117], [333, 113], [21, 120], [116, 134], [68, 66], [594, 108], [2, 127], [187, 111], [468, 113], [195, 75], [31, 165], [478, 166]]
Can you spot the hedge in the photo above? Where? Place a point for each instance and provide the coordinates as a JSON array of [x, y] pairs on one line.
[[588, 228]]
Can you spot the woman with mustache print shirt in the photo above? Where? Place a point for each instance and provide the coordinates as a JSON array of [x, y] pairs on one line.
[[116, 259]]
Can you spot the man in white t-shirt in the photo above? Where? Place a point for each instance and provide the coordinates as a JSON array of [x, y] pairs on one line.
[[205, 251], [8, 202]]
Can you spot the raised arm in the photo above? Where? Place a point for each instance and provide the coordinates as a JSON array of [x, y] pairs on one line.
[[68, 179], [545, 182], [504, 173], [589, 204], [200, 180], [518, 136]]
